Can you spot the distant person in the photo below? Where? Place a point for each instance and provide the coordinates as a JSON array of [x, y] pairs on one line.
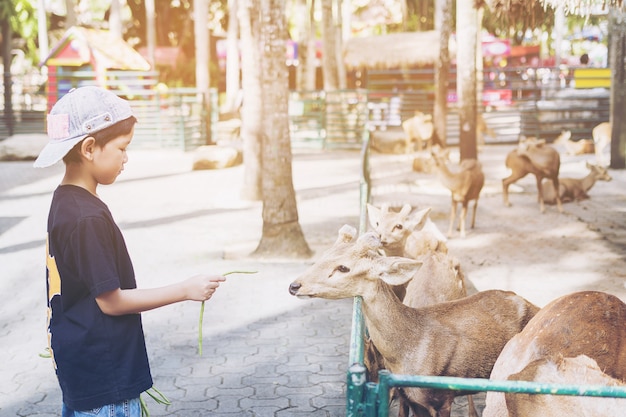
[[584, 59], [94, 327]]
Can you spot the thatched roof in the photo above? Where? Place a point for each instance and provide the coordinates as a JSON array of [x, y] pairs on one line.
[[394, 50]]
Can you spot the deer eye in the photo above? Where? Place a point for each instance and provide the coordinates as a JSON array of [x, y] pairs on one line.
[[398, 226], [343, 269]]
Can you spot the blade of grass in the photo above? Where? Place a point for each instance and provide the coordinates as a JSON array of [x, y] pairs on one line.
[[202, 310]]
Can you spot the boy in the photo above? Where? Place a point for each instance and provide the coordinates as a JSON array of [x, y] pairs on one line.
[[94, 326]]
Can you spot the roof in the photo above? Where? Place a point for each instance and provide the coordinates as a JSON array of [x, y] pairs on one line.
[[394, 50], [100, 48]]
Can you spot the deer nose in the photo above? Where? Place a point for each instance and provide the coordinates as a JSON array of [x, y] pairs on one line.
[[294, 287]]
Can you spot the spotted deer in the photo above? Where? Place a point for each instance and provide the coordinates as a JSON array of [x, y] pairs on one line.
[[568, 371], [588, 323], [459, 338]]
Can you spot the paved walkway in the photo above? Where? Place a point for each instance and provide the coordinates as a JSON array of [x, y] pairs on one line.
[[265, 353]]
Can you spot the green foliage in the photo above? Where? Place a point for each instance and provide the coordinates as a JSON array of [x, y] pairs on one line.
[[23, 18]]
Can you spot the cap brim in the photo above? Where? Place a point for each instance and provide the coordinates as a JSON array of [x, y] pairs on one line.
[[54, 152]]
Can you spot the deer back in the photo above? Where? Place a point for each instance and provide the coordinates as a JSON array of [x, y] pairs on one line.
[[440, 279], [569, 371], [588, 322], [541, 155]]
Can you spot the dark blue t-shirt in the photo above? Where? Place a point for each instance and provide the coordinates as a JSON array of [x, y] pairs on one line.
[[99, 359]]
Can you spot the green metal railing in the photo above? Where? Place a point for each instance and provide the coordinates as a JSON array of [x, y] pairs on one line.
[[369, 399]]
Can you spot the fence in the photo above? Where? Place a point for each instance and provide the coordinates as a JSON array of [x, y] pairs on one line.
[[167, 118], [514, 101], [369, 399]]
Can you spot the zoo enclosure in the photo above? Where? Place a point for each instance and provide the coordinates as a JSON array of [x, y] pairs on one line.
[[370, 399]]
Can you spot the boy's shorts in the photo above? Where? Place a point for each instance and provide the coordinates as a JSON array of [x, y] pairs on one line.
[[127, 408]]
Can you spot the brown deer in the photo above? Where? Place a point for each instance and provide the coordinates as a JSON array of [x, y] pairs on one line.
[[459, 338], [574, 147], [533, 156], [570, 371], [588, 323], [406, 233], [464, 183], [418, 128], [601, 135], [575, 189]]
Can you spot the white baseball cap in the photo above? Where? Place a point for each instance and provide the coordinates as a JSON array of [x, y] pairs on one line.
[[78, 114]]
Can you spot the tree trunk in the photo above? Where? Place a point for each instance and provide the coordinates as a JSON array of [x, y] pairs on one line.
[[115, 18], [250, 132], [443, 20], [232, 59], [466, 28], [201, 31], [329, 40], [617, 54], [6, 76], [282, 234]]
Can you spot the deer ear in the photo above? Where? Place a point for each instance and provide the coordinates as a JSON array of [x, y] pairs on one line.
[[395, 270], [406, 209], [346, 234], [419, 219], [373, 215]]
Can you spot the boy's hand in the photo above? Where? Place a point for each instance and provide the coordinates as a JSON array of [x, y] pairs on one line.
[[202, 287]]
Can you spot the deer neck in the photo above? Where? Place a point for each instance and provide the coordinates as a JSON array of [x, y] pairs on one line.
[[588, 182], [388, 321], [447, 178]]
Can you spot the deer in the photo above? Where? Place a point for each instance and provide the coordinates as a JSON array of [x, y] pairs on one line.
[[418, 128], [591, 323], [406, 233], [461, 338], [439, 279], [567, 371], [601, 135], [533, 156], [575, 189], [464, 183], [414, 235], [574, 147]]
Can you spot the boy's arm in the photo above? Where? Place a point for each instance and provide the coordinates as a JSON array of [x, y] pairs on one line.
[[119, 302]]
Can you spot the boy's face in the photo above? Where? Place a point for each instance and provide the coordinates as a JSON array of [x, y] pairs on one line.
[[109, 160]]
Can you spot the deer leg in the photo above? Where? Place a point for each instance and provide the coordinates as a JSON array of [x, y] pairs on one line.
[[452, 217], [540, 194], [555, 181], [508, 181], [462, 218], [474, 213], [471, 409]]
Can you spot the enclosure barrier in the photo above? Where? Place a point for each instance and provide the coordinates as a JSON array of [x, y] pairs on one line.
[[369, 399]]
